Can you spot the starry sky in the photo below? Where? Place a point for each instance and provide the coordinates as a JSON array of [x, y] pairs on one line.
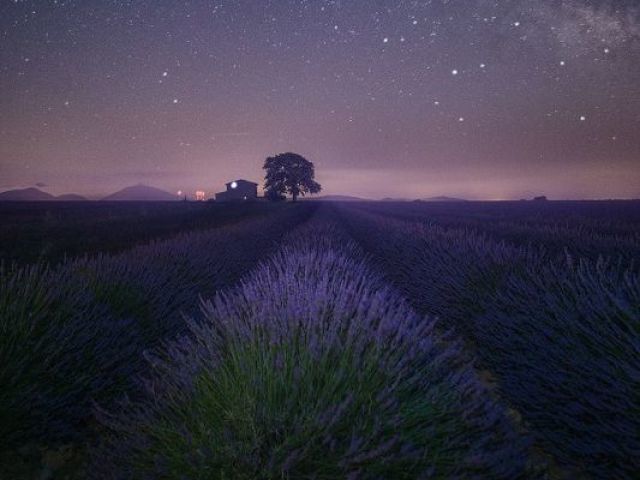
[[473, 98]]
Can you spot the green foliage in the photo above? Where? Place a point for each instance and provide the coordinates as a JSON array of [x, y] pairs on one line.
[[289, 173], [311, 368]]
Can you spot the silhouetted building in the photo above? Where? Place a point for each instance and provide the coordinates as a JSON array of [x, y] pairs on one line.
[[541, 198], [238, 190]]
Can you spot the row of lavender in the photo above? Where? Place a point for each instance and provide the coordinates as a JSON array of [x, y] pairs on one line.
[[561, 338], [583, 229], [74, 335], [311, 368]]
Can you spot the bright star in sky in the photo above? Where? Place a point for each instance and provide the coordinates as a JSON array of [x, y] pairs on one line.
[[251, 78]]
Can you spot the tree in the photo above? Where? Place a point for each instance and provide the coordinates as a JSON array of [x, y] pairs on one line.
[[289, 173], [274, 195]]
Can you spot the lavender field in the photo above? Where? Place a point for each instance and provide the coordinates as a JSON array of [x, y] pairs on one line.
[[367, 340]]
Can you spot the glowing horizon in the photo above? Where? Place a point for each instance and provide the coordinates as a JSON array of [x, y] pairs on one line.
[[388, 100]]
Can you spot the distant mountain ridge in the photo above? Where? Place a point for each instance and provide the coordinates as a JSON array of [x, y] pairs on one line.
[[145, 193], [33, 194], [441, 198], [140, 193], [338, 198], [71, 197]]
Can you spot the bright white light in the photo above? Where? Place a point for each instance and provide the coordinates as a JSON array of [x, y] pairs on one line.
[[461, 119], [234, 184], [175, 100], [482, 65], [582, 118], [454, 72], [562, 63], [385, 40], [516, 24], [164, 74]]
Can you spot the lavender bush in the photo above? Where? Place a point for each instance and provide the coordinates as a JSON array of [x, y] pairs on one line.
[[75, 334], [311, 368], [571, 360], [583, 229], [562, 339], [447, 272]]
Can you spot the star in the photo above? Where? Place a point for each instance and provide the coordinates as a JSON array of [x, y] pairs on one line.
[[382, 57]]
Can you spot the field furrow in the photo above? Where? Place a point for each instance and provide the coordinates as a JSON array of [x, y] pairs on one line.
[[312, 368], [74, 335], [560, 337]]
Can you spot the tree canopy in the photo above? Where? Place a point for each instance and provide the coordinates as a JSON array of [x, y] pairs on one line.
[[289, 174]]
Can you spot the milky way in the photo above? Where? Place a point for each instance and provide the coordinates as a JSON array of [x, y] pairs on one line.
[[482, 99]]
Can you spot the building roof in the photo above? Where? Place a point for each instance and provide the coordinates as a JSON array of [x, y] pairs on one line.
[[241, 181]]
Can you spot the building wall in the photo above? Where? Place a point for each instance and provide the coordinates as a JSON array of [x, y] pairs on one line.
[[244, 191]]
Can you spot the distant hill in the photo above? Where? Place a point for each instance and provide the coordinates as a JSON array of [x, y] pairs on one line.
[[441, 199], [140, 193], [26, 195], [338, 198], [71, 197], [391, 199]]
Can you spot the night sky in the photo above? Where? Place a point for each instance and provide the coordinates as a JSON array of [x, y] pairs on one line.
[[473, 98]]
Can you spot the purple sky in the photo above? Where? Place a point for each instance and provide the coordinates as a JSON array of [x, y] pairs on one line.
[[473, 98]]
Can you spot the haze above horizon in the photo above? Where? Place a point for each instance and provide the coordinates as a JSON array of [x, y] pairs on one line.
[[479, 100]]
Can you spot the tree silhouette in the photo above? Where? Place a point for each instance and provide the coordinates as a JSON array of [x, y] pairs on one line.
[[289, 173]]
